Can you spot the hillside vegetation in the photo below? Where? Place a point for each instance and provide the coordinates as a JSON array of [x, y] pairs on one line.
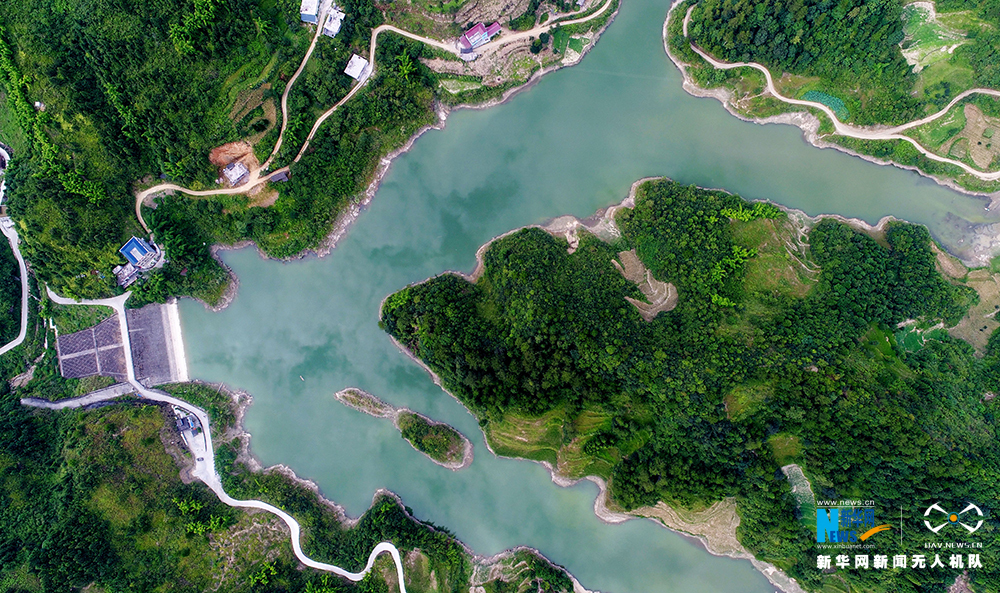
[[93, 499], [873, 63], [778, 352]]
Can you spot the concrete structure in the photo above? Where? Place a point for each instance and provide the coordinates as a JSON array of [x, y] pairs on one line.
[[309, 11], [138, 253], [154, 343], [94, 351], [358, 68], [126, 274], [141, 256], [188, 422], [236, 173], [477, 35], [157, 349], [333, 22]]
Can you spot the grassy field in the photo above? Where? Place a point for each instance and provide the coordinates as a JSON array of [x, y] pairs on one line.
[[928, 39], [70, 319], [782, 264], [558, 438]]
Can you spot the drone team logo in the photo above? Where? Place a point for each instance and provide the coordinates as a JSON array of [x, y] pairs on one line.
[[953, 518]]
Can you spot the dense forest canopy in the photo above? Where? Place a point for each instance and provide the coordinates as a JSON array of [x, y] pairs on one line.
[[851, 46], [144, 90], [709, 399]]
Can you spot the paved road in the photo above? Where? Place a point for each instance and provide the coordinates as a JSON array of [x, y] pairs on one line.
[[7, 227], [108, 393], [204, 453]]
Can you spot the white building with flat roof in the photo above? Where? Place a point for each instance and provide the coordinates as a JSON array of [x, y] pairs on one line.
[[235, 172], [309, 11], [333, 22], [358, 68]]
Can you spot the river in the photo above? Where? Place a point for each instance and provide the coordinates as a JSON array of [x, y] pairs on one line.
[[573, 143]]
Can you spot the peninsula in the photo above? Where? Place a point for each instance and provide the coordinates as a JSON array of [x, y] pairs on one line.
[[797, 350]]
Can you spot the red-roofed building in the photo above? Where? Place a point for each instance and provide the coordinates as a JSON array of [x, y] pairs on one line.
[[477, 35]]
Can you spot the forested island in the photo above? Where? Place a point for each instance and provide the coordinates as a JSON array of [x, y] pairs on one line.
[[875, 65], [101, 100], [813, 343], [440, 442]]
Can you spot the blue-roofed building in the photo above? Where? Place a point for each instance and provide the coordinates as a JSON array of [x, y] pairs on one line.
[[136, 251], [141, 256]]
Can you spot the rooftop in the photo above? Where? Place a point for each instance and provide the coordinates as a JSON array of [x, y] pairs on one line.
[[137, 252], [357, 68], [333, 22], [235, 172]]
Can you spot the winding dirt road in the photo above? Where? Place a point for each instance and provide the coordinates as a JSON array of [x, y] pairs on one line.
[[509, 37], [288, 87], [842, 129], [204, 453], [256, 178]]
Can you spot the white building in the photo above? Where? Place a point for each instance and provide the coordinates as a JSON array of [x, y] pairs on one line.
[[235, 172], [358, 68], [309, 11], [333, 22]]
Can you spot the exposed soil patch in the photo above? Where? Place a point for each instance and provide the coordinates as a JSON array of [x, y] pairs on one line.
[[977, 325], [948, 265], [661, 296], [220, 156], [715, 526]]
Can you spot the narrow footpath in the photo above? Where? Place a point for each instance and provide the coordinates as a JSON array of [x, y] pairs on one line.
[[7, 227], [202, 450]]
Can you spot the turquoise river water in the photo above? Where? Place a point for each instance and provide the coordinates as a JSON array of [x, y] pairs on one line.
[[573, 143]]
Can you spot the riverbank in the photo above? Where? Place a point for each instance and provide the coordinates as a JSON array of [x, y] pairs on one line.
[[715, 528], [810, 123], [570, 444], [485, 568], [353, 210]]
